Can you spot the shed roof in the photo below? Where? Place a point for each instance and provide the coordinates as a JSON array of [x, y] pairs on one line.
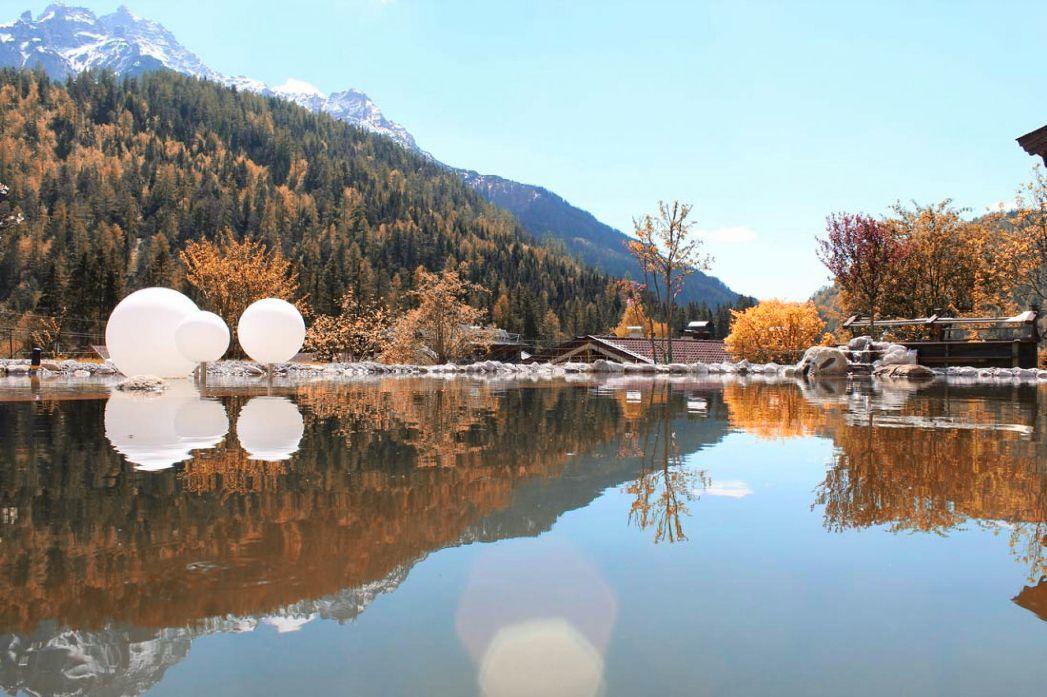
[[1035, 143], [638, 350], [685, 350]]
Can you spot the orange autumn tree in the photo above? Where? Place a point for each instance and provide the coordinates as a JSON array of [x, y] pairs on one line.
[[775, 331], [230, 274], [636, 315], [953, 266], [1029, 225], [443, 327], [359, 330], [668, 251]]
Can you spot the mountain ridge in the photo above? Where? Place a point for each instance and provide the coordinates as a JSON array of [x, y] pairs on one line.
[[65, 40]]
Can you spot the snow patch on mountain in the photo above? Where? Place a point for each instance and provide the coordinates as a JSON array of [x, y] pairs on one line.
[[68, 40]]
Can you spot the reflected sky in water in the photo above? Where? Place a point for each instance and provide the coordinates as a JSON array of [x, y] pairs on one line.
[[580, 537]]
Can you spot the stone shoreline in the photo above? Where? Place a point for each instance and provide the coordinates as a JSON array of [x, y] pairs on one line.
[[235, 368]]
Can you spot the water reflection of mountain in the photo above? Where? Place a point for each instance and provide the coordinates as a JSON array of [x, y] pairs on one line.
[[107, 574], [125, 660]]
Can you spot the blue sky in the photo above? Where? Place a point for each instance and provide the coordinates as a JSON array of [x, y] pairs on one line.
[[765, 116]]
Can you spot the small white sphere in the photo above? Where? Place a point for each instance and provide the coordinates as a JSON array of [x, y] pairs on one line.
[[140, 334], [271, 330], [270, 428], [202, 337], [201, 424]]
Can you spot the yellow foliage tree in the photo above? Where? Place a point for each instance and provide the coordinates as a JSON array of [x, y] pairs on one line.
[[774, 330], [636, 316], [231, 274], [952, 265], [443, 327], [359, 330]]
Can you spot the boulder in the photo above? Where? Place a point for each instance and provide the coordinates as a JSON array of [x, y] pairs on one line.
[[823, 361], [142, 383], [859, 343], [640, 368], [896, 354], [904, 372], [81, 374], [604, 366]]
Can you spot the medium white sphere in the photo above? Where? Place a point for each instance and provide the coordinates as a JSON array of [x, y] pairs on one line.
[[140, 334], [202, 337], [270, 428], [271, 330]]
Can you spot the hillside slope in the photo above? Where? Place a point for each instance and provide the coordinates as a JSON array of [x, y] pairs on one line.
[[548, 216], [113, 177], [64, 41]]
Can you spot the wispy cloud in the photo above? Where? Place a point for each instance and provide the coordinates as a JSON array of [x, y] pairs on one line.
[[736, 234]]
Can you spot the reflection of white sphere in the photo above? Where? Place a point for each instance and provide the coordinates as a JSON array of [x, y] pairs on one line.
[[270, 428], [541, 657], [140, 334], [155, 432], [201, 423], [202, 337], [271, 330]]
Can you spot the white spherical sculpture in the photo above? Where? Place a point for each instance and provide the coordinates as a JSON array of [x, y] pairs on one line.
[[270, 428], [202, 337], [271, 331], [140, 334]]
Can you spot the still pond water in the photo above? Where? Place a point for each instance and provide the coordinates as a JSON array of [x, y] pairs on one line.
[[459, 537]]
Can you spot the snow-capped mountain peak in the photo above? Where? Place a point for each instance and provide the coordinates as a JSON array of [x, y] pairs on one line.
[[65, 40]]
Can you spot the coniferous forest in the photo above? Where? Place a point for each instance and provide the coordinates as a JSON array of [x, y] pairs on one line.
[[109, 178]]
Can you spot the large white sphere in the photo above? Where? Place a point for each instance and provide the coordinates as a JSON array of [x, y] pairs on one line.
[[270, 428], [140, 334], [154, 432], [271, 331], [202, 337]]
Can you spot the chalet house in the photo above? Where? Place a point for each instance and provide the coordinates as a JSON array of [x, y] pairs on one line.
[[634, 349], [1035, 143]]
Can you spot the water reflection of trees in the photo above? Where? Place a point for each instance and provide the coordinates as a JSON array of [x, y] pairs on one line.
[[925, 461], [665, 485], [89, 541]]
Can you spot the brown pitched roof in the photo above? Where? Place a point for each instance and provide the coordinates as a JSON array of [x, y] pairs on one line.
[[684, 350], [1035, 143]]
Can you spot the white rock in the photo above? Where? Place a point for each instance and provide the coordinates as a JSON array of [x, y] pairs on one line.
[[823, 360], [142, 383]]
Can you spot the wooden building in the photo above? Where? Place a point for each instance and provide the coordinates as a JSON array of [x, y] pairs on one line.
[[632, 349], [982, 342], [1035, 143]]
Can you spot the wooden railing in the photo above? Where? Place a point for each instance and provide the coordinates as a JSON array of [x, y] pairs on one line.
[[998, 342]]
